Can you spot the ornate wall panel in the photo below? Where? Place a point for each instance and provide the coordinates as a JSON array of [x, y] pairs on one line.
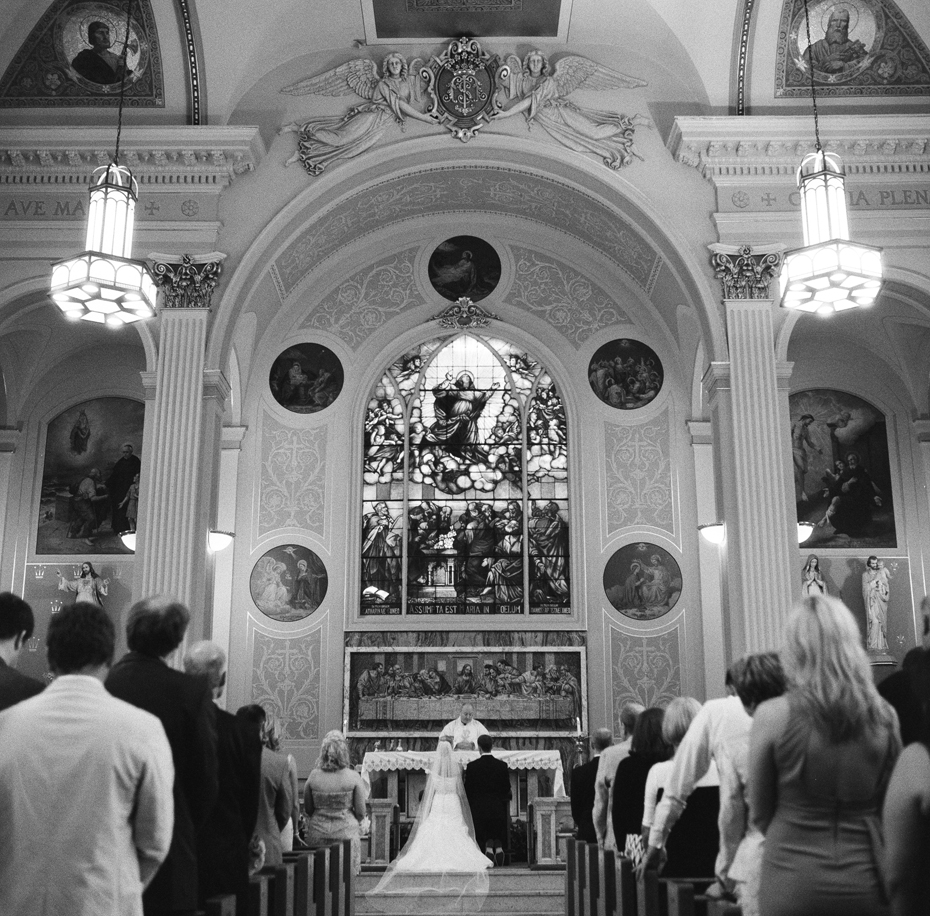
[[292, 488], [638, 474], [644, 669], [563, 298], [367, 300], [286, 681]]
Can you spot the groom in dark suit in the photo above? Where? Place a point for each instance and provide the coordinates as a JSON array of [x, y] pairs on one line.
[[487, 786]]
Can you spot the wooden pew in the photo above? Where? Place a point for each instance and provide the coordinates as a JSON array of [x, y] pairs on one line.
[[648, 897], [221, 905], [626, 887], [303, 882], [347, 881], [280, 889], [603, 881], [258, 895]]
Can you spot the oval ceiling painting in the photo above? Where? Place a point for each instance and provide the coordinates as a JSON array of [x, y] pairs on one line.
[[464, 266], [288, 583], [306, 378], [642, 581], [626, 374]]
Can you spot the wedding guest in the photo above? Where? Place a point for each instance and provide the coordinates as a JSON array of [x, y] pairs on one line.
[[184, 705], [86, 806], [16, 626], [819, 763], [223, 843], [275, 802], [647, 749], [720, 733], [607, 770], [906, 814], [334, 799], [582, 785]]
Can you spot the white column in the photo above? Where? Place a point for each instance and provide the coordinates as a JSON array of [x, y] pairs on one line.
[[177, 472], [748, 398], [9, 440]]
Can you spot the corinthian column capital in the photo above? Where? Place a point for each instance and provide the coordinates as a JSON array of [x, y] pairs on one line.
[[746, 272], [187, 283]]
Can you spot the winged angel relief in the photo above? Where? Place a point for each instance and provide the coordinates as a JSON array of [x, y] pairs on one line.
[[528, 87]]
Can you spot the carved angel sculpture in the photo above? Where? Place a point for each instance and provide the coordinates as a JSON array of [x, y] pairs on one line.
[[543, 93], [396, 92]]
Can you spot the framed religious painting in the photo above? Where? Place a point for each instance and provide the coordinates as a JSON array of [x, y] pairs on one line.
[[626, 374], [464, 267], [642, 581], [842, 470], [288, 583], [516, 692], [306, 378]]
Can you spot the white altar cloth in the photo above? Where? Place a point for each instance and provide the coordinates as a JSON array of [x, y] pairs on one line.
[[384, 761]]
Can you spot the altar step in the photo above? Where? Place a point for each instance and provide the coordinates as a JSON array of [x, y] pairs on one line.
[[515, 891]]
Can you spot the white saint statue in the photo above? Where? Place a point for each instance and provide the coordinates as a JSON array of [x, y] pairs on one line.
[[876, 589]]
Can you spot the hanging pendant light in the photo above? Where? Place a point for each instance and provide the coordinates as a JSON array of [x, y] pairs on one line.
[[104, 284], [830, 273]]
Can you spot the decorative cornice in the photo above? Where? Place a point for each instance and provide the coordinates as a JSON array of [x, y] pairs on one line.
[[188, 283], [746, 272], [204, 156], [464, 314], [772, 146]]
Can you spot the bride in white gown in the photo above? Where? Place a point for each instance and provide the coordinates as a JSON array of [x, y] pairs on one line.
[[441, 859]]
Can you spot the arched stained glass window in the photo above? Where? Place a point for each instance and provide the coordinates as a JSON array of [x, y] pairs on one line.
[[465, 484]]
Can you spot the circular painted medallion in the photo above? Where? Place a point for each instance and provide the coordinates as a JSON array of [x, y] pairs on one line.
[[464, 266], [626, 374], [306, 378], [288, 583], [642, 581]]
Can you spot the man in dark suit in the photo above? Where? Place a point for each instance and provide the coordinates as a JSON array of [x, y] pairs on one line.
[[154, 629], [223, 843], [16, 626], [487, 786], [582, 785]]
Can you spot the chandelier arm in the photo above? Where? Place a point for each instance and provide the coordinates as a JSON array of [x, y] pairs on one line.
[[122, 81], [810, 64]]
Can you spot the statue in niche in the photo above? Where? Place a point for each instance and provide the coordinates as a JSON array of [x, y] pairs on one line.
[[876, 590], [397, 92], [812, 578], [543, 99]]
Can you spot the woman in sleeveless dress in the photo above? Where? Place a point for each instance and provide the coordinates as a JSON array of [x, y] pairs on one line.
[[441, 859], [334, 799], [819, 762]]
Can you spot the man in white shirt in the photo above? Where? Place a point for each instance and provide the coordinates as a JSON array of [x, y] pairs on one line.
[[606, 770], [464, 731], [86, 784], [720, 733]]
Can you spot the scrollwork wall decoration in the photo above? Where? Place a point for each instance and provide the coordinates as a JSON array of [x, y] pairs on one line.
[[286, 679], [644, 669]]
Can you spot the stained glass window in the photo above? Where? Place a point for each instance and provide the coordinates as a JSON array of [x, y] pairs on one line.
[[465, 502]]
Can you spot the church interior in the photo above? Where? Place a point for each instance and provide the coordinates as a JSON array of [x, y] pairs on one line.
[[469, 323]]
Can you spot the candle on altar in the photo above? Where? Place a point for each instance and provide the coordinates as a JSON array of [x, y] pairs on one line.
[[578, 725], [345, 725]]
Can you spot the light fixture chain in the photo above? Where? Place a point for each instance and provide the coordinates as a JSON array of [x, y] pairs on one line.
[[810, 64], [122, 82]]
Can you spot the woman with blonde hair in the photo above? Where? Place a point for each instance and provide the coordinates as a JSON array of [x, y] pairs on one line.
[[334, 799], [819, 762], [691, 848]]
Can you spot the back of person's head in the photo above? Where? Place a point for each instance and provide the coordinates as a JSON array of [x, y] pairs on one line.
[[919, 676], [912, 658], [207, 659], [759, 677], [603, 738], [156, 626], [733, 672], [334, 753], [826, 664], [629, 712], [648, 742], [254, 716], [485, 743], [80, 636], [15, 617], [925, 621], [678, 717]]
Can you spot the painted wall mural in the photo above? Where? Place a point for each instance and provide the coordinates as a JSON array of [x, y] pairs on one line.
[[465, 484], [292, 488], [306, 378], [642, 581], [638, 474], [464, 266], [74, 56], [90, 478], [842, 471], [857, 48], [288, 583], [286, 682], [626, 374], [416, 691], [644, 669]]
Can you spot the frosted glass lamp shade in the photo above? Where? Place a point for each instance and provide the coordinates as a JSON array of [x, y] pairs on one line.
[[805, 530], [219, 540], [715, 532]]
